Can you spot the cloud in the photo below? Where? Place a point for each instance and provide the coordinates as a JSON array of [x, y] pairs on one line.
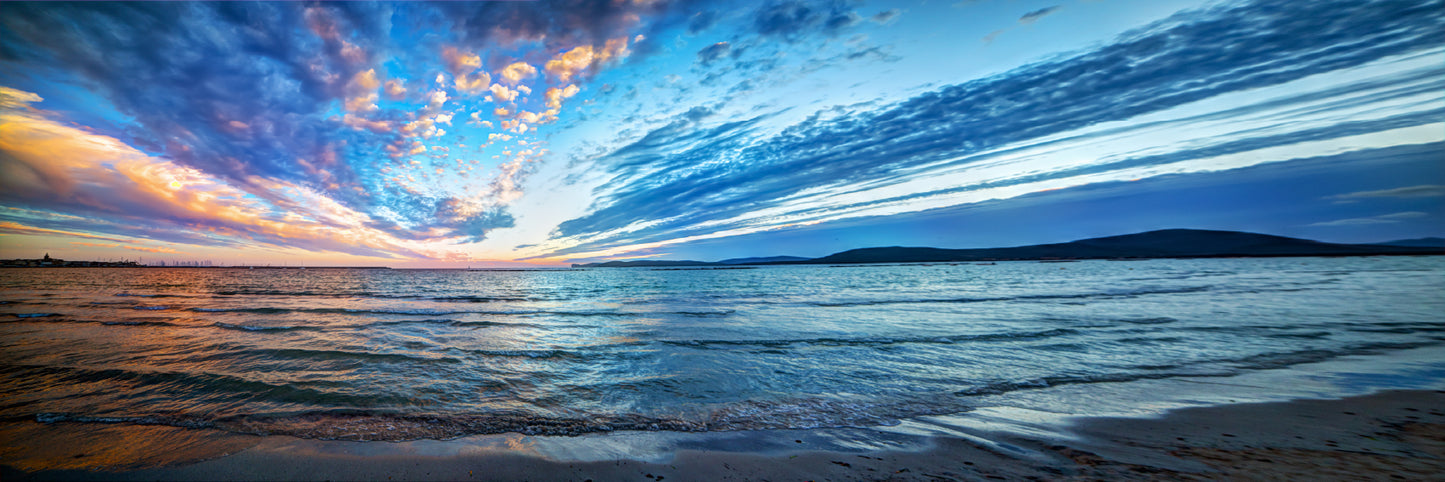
[[713, 52], [96, 245], [151, 249], [794, 20], [463, 67], [395, 90], [561, 25], [517, 71], [10, 227], [701, 21], [556, 95], [689, 179], [583, 60], [1034, 16], [886, 17], [273, 67], [502, 94], [53, 167], [12, 99], [988, 39], [1423, 190], [1381, 219], [458, 61], [361, 91], [247, 92]]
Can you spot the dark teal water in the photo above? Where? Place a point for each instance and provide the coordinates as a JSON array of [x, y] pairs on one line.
[[407, 354]]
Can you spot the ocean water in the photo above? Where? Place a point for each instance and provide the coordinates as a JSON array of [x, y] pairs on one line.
[[438, 354]]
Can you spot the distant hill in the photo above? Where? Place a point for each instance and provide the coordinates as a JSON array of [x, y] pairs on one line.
[[643, 263], [1167, 243], [1416, 243], [769, 259]]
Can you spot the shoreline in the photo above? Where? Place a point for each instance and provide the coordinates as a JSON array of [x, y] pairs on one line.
[[1395, 432]]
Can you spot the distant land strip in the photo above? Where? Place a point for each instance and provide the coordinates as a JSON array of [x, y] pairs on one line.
[[1167, 243]]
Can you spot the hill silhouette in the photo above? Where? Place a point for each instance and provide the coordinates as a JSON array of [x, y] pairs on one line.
[[1167, 243], [1431, 242]]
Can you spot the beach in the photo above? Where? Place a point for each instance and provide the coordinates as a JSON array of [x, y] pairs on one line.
[[671, 240], [1391, 434], [1164, 368]]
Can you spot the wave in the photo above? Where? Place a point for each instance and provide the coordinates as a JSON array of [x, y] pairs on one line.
[[368, 294], [229, 326], [543, 354], [334, 311], [384, 425], [1149, 321], [334, 294], [1268, 361], [876, 341], [137, 323], [353, 311], [204, 385], [1264, 361], [1104, 295], [362, 425], [53, 318], [999, 388], [446, 321], [478, 299], [704, 314], [313, 354]]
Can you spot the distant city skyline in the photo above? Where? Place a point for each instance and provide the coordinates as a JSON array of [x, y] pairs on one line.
[[459, 134]]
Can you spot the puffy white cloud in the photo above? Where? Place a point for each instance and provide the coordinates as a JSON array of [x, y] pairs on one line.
[[395, 90], [573, 63], [361, 92], [502, 94], [517, 71], [555, 95]]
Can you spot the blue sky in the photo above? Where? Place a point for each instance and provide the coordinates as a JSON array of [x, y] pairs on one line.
[[505, 133]]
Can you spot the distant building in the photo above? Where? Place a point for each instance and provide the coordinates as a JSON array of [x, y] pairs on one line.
[[49, 262]]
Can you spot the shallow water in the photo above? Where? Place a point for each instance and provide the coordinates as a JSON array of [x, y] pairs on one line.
[[415, 354]]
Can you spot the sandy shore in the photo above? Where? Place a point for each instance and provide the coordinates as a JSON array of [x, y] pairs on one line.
[[1399, 434]]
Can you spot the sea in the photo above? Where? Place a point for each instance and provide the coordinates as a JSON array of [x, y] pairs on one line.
[[392, 354]]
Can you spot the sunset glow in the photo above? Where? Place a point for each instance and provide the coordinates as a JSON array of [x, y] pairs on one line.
[[521, 134]]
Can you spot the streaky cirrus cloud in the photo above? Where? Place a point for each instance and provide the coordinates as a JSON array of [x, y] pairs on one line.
[[1423, 190], [453, 132], [693, 180], [60, 168], [311, 95], [1034, 16], [1381, 219]]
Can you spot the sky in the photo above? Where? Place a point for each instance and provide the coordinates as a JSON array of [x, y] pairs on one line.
[[454, 134]]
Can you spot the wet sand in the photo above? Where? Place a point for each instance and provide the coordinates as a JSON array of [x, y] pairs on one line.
[[1394, 434]]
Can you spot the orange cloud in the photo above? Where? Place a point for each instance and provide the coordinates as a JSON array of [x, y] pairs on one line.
[[517, 71], [502, 93], [151, 250], [17, 228], [136, 248], [555, 95], [66, 168], [463, 67], [358, 122], [573, 63], [97, 245], [361, 91], [395, 90]]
